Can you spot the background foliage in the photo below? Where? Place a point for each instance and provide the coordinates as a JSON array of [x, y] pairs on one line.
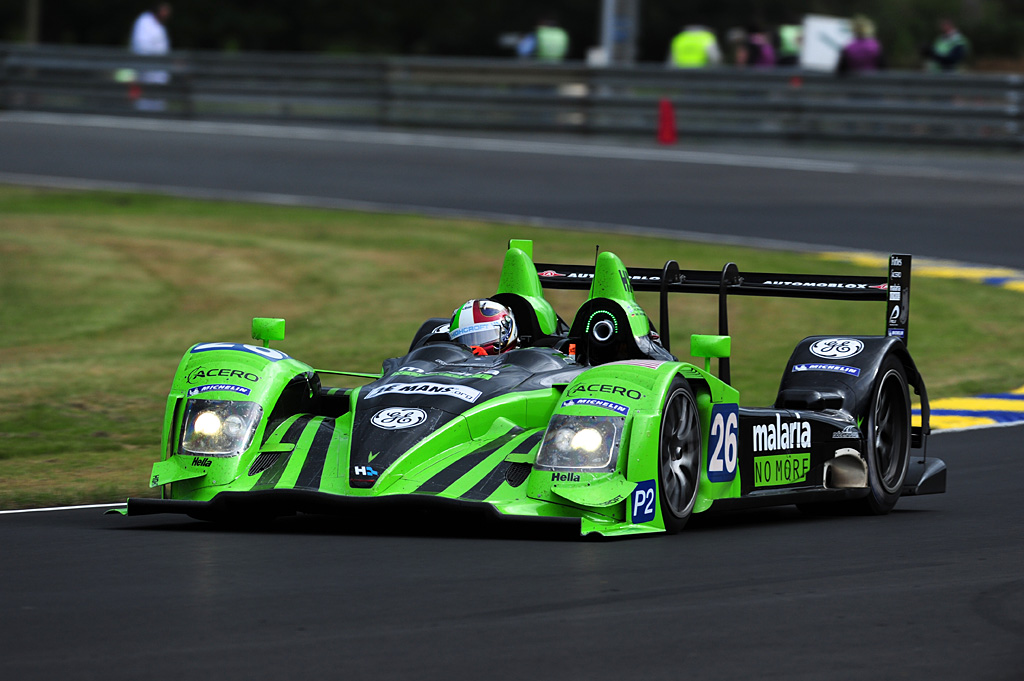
[[459, 28]]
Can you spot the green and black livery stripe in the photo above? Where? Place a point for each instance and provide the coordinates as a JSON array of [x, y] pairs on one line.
[[443, 479], [492, 481], [313, 464]]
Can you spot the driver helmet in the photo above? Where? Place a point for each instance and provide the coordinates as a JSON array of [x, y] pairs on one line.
[[484, 324]]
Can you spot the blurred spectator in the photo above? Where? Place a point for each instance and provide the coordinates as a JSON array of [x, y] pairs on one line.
[[149, 38], [549, 42], [865, 52], [694, 47], [756, 50], [736, 38], [789, 37], [949, 51]]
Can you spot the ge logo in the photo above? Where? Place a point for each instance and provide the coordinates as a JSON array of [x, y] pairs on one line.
[[395, 418], [836, 348]]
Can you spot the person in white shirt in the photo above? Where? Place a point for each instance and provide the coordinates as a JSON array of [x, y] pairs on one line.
[[149, 35], [149, 38]]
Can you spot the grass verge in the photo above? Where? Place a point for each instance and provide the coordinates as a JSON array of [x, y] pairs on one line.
[[101, 293]]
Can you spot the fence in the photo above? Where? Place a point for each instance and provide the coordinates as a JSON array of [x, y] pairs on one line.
[[944, 109]]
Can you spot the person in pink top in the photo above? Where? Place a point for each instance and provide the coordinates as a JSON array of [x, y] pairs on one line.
[[865, 52]]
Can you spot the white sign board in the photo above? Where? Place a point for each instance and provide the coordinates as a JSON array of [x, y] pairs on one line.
[[823, 40]]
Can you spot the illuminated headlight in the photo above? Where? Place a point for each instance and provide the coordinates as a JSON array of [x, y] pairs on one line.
[[581, 443], [219, 428]]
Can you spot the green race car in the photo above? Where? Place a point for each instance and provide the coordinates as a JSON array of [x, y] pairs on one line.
[[593, 423]]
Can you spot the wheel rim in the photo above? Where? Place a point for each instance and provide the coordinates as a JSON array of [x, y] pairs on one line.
[[680, 454], [891, 432]]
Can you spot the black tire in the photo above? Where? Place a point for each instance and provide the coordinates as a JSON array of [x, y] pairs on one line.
[[888, 438], [679, 455]]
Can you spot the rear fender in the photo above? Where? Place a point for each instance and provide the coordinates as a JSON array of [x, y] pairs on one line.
[[839, 373]]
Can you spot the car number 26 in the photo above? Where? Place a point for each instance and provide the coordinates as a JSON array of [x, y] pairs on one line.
[[723, 443]]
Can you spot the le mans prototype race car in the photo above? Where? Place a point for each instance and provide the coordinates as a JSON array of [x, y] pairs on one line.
[[594, 423]]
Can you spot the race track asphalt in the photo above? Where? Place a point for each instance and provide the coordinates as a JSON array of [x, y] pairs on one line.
[[934, 590]]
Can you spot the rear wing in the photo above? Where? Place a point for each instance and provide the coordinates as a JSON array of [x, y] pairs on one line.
[[893, 288]]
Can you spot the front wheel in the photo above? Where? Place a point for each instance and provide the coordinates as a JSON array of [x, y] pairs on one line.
[[678, 456], [888, 438]]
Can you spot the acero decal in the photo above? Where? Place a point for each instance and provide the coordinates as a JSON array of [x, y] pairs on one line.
[[202, 373], [611, 389], [458, 391], [836, 348], [396, 418]]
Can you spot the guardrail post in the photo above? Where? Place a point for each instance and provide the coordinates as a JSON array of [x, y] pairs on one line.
[[1016, 97], [3, 78]]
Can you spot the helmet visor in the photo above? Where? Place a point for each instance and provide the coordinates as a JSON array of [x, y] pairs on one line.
[[485, 335]]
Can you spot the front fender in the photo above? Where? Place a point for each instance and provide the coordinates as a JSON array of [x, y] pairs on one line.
[[233, 372]]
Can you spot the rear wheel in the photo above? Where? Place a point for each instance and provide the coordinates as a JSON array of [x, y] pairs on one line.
[[888, 439], [678, 456]]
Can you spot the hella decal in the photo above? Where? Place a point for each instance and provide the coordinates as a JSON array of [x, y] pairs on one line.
[[458, 391], [778, 436], [594, 402], [396, 418], [201, 461], [836, 348], [565, 477], [835, 368], [266, 353]]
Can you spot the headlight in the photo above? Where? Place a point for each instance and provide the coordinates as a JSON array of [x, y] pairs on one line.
[[219, 428], [581, 443]]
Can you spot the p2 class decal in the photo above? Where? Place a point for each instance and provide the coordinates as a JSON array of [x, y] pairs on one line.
[[836, 348], [396, 418], [723, 443], [643, 501], [266, 353]]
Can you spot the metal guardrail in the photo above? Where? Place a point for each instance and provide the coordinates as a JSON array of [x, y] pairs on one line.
[[902, 107]]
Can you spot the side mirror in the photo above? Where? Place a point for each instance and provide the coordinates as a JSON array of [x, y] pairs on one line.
[[267, 329], [710, 346]]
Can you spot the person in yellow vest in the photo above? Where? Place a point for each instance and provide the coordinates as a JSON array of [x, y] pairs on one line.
[[552, 42], [695, 47]]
